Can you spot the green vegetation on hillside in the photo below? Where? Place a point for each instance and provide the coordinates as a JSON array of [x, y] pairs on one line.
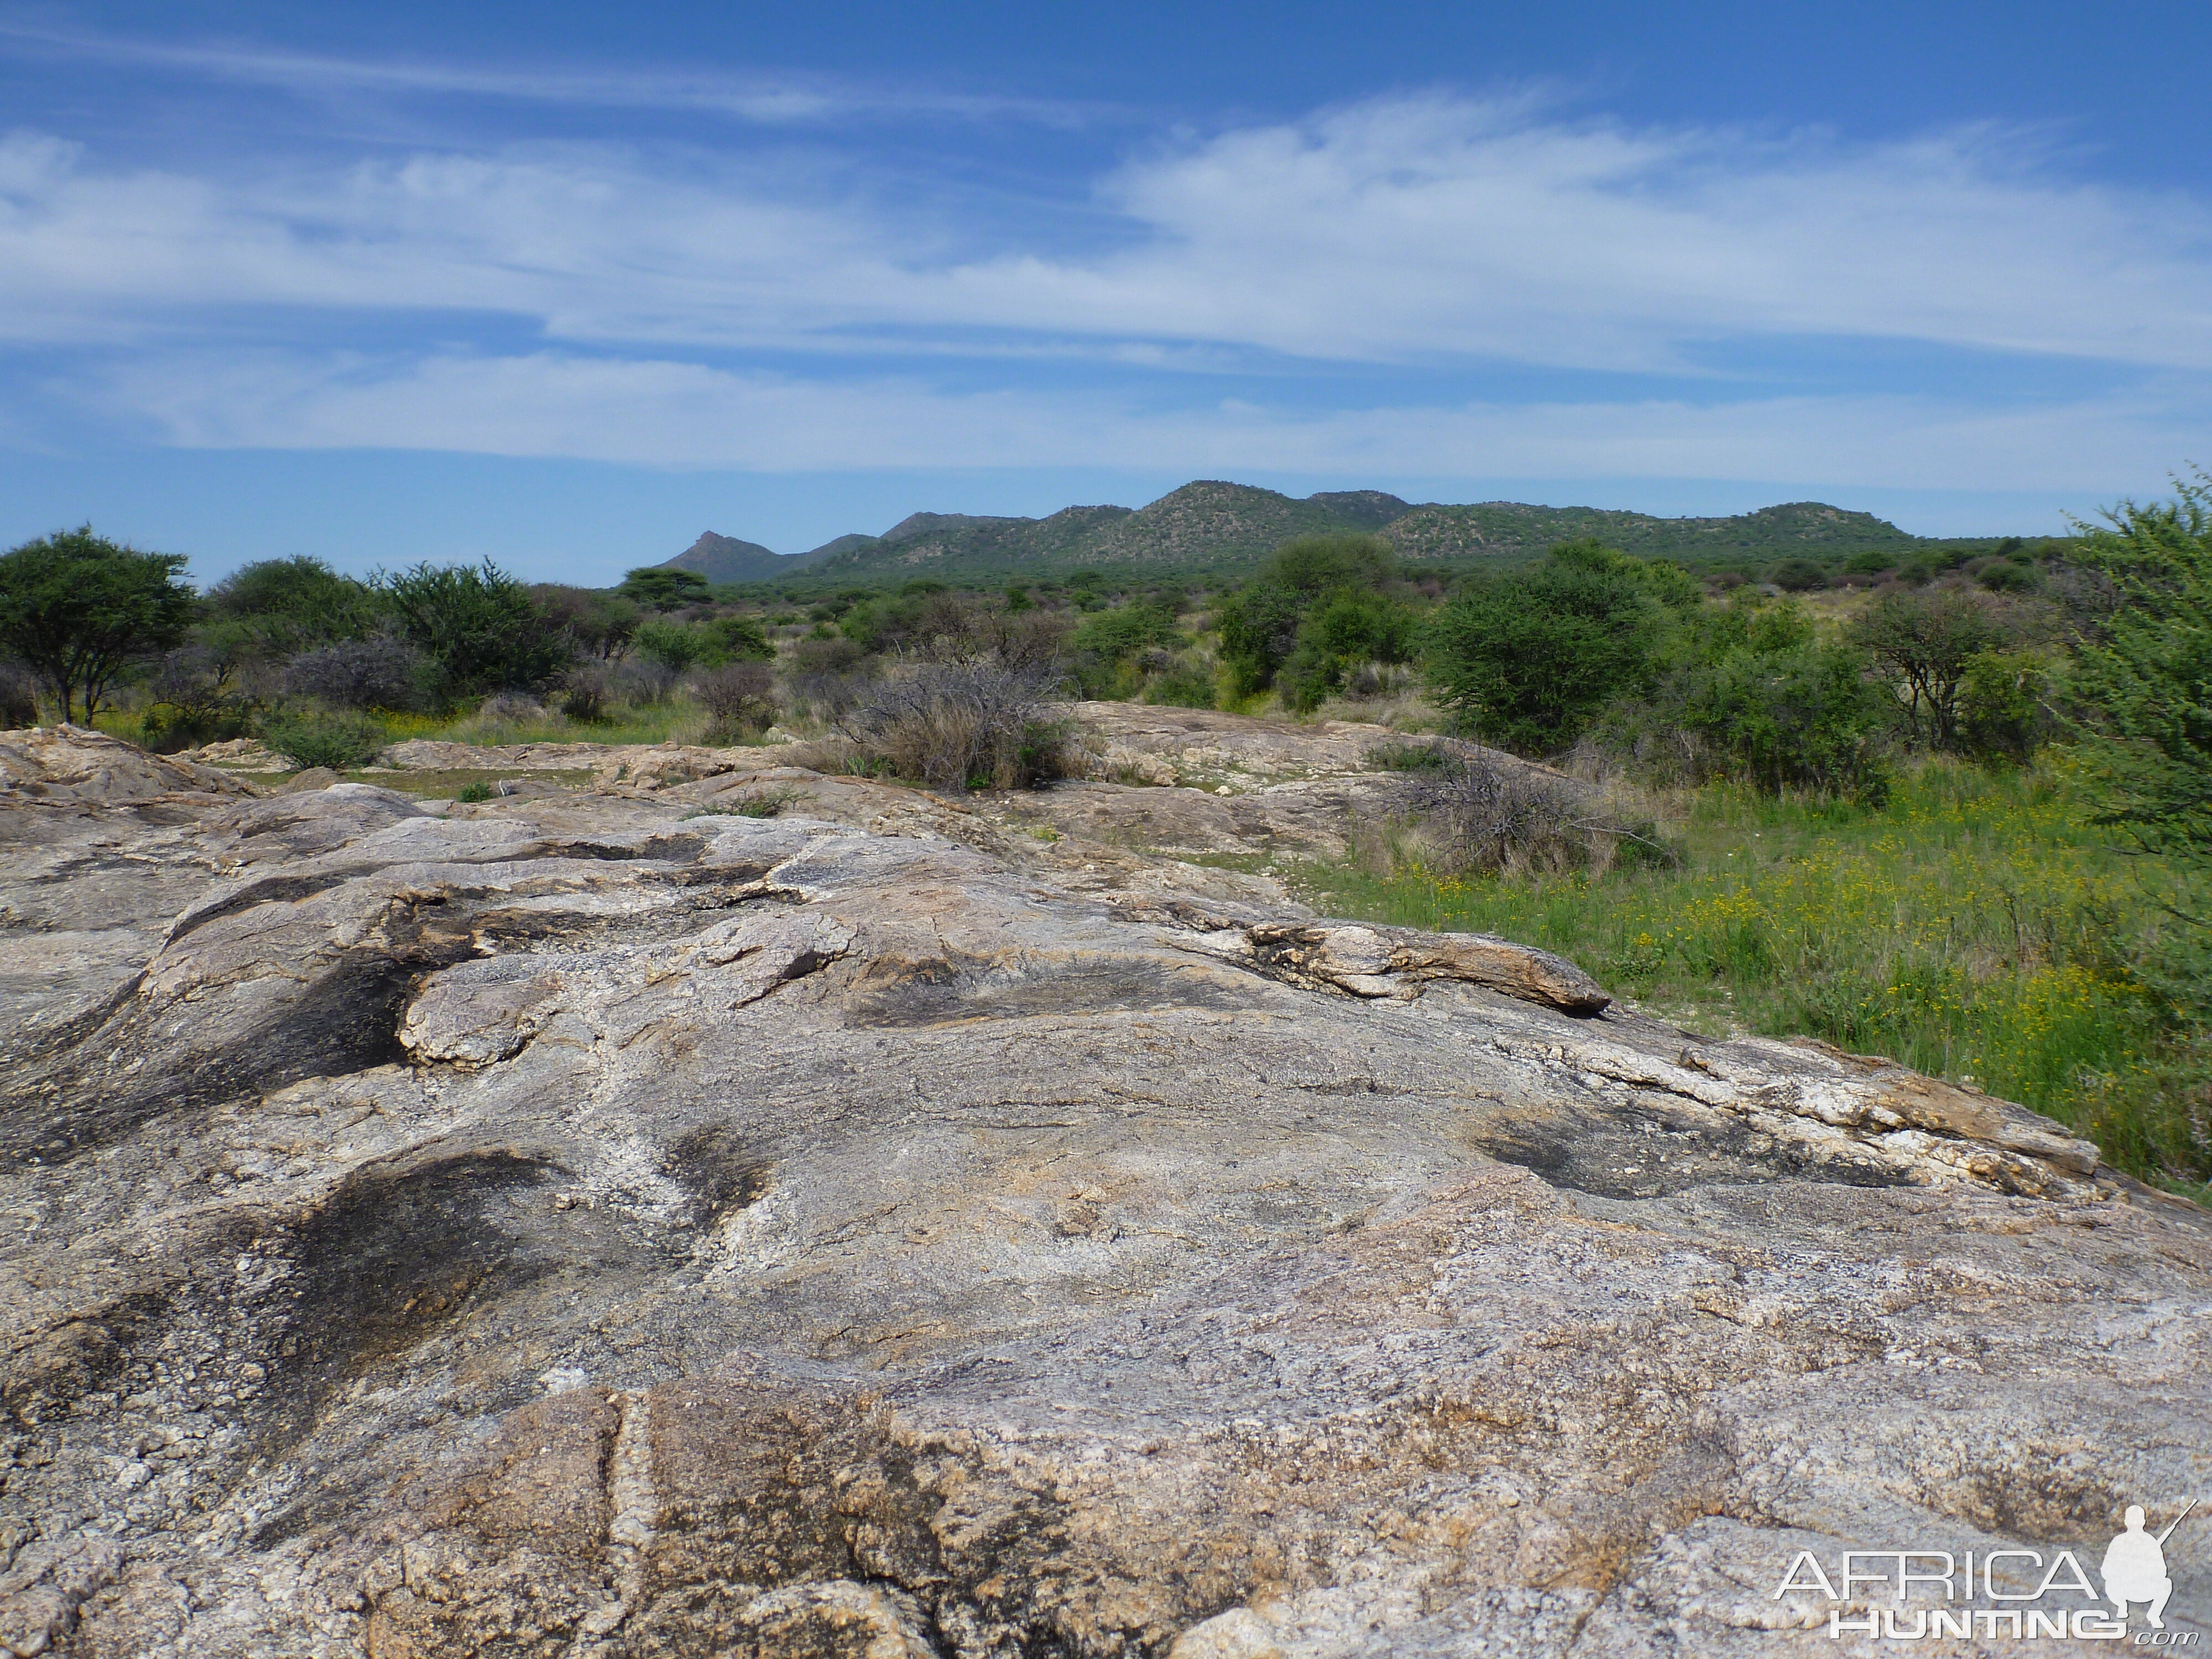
[[1214, 530]]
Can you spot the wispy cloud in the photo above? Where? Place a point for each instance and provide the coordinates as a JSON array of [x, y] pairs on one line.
[[1401, 235], [780, 99], [666, 413], [1404, 231]]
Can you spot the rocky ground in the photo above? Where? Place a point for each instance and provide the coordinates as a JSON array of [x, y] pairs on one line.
[[730, 1209]]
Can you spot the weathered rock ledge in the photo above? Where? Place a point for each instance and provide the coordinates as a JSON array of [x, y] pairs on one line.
[[605, 1223]]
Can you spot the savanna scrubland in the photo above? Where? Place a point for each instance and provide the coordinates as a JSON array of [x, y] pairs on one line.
[[1945, 805]]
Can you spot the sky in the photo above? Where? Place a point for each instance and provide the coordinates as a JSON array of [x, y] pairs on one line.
[[564, 285]]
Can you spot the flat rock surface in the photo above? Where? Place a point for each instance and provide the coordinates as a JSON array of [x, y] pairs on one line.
[[772, 1214]]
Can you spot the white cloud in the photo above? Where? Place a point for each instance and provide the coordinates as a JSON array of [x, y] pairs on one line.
[[1421, 231], [766, 100], [676, 414], [1400, 231]]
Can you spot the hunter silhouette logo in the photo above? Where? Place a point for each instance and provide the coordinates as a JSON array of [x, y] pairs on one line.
[[2030, 1595], [2135, 1566]]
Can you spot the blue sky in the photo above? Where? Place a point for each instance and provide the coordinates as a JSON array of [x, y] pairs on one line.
[[565, 284]]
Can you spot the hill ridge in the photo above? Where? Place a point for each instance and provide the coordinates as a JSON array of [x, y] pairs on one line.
[[1213, 526]]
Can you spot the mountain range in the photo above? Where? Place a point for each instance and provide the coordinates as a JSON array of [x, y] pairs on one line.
[[1210, 526]]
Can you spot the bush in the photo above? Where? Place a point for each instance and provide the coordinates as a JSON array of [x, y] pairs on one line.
[[1261, 626], [671, 646], [586, 691], [478, 626], [734, 639], [1806, 718], [643, 682], [1183, 684], [1477, 816], [598, 625], [1798, 576], [961, 725], [1529, 661], [510, 708], [828, 675], [2007, 577], [2149, 678], [1925, 640], [338, 741], [2004, 704], [739, 695], [194, 699], [293, 604], [373, 674], [1344, 629]]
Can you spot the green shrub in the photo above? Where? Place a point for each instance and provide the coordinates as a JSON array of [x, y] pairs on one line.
[[2150, 680], [2004, 704], [1529, 661], [469, 794], [734, 639], [338, 741], [479, 627], [673, 646], [1183, 685], [1798, 576]]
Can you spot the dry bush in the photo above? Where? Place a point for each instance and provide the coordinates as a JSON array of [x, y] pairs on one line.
[[643, 682], [515, 705], [374, 673], [828, 677], [1470, 815], [961, 725], [586, 690], [739, 696]]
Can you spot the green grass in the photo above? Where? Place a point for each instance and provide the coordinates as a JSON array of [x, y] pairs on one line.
[[1976, 928], [668, 722]]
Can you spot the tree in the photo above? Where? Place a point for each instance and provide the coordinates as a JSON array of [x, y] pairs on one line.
[[2150, 680], [599, 623], [1260, 627], [661, 587], [1530, 659], [1928, 640], [79, 609], [477, 627], [293, 604]]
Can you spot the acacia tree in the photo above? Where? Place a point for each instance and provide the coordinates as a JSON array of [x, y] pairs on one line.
[[1929, 642], [79, 609], [477, 626], [2149, 681]]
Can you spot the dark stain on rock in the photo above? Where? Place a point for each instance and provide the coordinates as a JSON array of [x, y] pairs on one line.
[[391, 1257], [1631, 1157], [890, 992], [720, 1171]]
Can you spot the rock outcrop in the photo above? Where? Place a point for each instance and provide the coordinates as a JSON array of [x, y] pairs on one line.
[[774, 1214]]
